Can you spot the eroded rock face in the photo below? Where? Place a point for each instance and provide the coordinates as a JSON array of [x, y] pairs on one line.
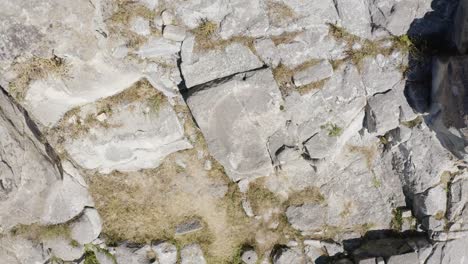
[[211, 130], [35, 187]]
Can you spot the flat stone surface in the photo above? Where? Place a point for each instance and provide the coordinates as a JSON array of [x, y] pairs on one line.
[[246, 107], [407, 258], [192, 254], [174, 33]]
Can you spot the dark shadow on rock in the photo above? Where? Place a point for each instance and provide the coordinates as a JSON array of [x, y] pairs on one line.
[[432, 36], [382, 243]]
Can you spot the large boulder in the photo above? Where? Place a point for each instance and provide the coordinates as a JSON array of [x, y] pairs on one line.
[[35, 188]]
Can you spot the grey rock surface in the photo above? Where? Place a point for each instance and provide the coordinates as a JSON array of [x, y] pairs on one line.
[[143, 133], [248, 105], [35, 188], [228, 125], [166, 253], [214, 65], [192, 254], [315, 73]]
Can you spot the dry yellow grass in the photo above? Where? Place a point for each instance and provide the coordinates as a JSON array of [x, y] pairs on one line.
[[279, 13], [35, 69], [38, 233], [368, 152], [284, 78], [142, 91], [369, 48]]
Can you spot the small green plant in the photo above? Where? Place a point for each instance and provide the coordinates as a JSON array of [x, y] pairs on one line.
[[403, 43], [74, 243], [90, 256], [333, 129], [376, 182], [55, 260], [397, 221], [413, 123]]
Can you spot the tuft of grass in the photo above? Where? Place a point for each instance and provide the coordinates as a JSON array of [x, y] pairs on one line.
[[311, 86], [90, 255], [333, 129], [35, 69], [39, 233], [141, 91], [368, 152], [310, 195], [370, 48], [205, 34], [279, 13], [340, 33], [285, 38], [440, 215], [156, 102], [74, 243], [284, 78], [376, 182], [119, 22], [205, 29], [337, 63], [261, 198], [413, 123], [397, 220]]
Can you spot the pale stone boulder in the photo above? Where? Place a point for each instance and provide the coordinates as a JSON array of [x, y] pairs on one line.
[[86, 228], [192, 254], [166, 252]]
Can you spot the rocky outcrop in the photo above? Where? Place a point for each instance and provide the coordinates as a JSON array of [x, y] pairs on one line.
[[269, 131]]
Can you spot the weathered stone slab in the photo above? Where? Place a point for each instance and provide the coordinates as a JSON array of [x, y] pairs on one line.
[[236, 118], [216, 64]]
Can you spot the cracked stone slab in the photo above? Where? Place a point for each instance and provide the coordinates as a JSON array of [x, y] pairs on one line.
[[133, 135], [217, 64], [236, 119]]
